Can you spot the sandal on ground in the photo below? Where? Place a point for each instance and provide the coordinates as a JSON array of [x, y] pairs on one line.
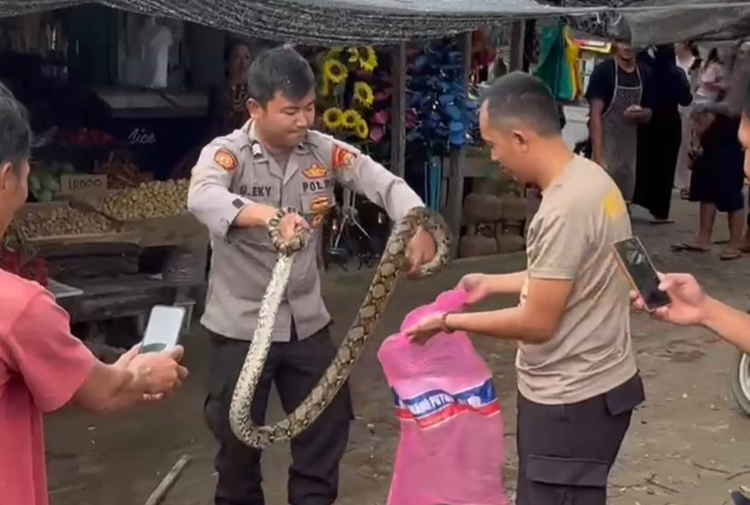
[[684, 246], [661, 221], [730, 254], [685, 194]]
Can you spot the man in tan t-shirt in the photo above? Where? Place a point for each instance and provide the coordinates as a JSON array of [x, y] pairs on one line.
[[577, 378]]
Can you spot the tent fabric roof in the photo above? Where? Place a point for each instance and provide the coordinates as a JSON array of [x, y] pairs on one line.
[[331, 22], [711, 22]]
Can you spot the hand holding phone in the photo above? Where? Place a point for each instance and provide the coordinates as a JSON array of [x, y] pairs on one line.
[[163, 329], [636, 264]]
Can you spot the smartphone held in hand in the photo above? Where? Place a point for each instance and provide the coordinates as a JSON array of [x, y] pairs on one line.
[[637, 265], [163, 328]]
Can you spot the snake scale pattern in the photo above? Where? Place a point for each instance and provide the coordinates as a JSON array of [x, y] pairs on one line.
[[386, 277]]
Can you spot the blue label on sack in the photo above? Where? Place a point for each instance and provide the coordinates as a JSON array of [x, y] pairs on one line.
[[434, 406]]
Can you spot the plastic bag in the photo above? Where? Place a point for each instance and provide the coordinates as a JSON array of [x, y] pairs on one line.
[[451, 449]]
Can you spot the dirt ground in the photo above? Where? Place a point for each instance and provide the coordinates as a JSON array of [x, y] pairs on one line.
[[689, 443]]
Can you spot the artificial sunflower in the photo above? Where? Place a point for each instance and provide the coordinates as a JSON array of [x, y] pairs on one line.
[[368, 58], [353, 55], [361, 129], [349, 119], [363, 94], [333, 118], [335, 71], [364, 57]]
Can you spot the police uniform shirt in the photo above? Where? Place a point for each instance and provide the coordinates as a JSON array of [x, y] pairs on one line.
[[234, 171]]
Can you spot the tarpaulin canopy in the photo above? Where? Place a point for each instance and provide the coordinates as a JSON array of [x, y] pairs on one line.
[[666, 21], [330, 22]]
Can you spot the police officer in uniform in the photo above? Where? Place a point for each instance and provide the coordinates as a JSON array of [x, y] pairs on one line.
[[237, 185]]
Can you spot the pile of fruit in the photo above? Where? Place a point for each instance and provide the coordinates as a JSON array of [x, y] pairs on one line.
[[63, 220], [121, 173], [149, 200], [44, 179]]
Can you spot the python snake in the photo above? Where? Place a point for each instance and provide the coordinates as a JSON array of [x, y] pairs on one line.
[[373, 306]]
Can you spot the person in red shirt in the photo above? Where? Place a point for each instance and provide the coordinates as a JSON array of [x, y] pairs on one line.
[[43, 367]]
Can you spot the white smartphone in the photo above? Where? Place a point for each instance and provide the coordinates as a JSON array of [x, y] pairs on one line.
[[636, 264], [163, 328]]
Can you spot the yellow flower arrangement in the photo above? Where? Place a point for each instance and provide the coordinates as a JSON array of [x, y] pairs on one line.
[[363, 57], [368, 58], [335, 71], [349, 119], [333, 118], [362, 129], [363, 94]]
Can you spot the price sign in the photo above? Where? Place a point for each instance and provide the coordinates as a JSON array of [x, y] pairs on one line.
[[83, 184]]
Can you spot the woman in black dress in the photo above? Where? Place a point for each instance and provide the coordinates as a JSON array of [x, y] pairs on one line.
[[659, 140]]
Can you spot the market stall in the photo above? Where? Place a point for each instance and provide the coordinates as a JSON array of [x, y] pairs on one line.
[[106, 228]]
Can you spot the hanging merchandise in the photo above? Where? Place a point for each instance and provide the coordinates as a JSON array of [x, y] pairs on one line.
[[443, 114], [572, 53], [155, 42], [553, 68], [354, 93], [433, 174]]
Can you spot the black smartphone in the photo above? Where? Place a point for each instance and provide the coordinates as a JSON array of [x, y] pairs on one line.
[[634, 260]]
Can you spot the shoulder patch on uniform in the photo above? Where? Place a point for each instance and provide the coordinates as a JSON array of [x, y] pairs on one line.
[[225, 159], [342, 159], [315, 171]]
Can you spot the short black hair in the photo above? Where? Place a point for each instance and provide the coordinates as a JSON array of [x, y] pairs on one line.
[[281, 69], [522, 99], [15, 134]]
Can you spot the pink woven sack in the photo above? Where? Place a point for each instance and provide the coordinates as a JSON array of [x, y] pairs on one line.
[[451, 449]]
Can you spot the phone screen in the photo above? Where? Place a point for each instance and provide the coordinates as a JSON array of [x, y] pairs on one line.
[[163, 328], [642, 273]]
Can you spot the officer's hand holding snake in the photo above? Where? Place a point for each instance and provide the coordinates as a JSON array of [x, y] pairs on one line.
[[418, 221]]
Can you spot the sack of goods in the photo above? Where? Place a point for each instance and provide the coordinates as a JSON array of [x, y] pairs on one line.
[[451, 448]]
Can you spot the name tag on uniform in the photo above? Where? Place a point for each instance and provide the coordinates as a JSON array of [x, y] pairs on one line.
[[260, 192], [316, 186]]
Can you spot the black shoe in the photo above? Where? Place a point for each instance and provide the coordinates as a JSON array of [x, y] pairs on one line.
[[739, 498]]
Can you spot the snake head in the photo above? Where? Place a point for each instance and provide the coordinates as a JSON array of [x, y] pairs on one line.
[[288, 247]]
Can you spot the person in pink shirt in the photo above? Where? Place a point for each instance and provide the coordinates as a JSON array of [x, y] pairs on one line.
[[43, 367]]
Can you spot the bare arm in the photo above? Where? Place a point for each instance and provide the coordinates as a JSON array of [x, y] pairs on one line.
[[535, 322], [109, 388], [58, 369], [130, 381], [595, 129], [506, 284], [729, 323]]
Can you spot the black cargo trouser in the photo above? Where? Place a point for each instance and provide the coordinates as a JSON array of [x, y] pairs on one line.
[[295, 368], [565, 452]]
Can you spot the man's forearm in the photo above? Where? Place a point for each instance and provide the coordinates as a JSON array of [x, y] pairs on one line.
[[730, 324], [595, 133], [507, 284], [505, 324]]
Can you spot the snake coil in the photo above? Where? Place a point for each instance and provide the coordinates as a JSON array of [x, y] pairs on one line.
[[381, 287]]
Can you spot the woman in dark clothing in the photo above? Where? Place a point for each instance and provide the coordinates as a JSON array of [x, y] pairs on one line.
[[659, 141], [717, 179]]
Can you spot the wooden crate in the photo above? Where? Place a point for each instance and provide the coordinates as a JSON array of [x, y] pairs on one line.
[[183, 229], [117, 234]]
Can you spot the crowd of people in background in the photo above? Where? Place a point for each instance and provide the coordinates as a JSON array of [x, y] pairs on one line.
[[665, 118]]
